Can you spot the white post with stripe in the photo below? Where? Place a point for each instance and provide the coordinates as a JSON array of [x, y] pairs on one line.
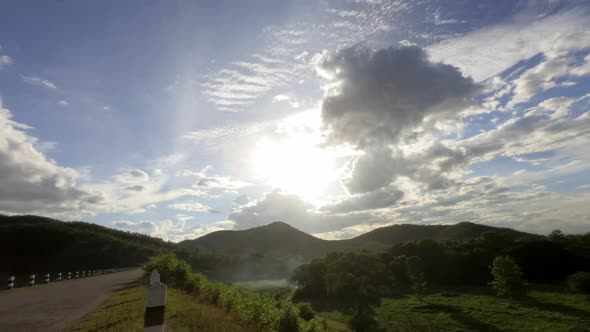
[[10, 282], [32, 280], [77, 275], [155, 304], [83, 274], [47, 278], [59, 276], [69, 275]]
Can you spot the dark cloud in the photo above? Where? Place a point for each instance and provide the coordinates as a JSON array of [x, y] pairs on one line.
[[135, 188], [375, 169], [383, 94], [384, 197], [383, 98]]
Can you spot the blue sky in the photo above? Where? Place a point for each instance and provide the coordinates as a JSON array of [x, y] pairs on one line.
[[181, 118]]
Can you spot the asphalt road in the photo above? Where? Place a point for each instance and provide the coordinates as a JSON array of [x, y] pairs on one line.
[[57, 306]]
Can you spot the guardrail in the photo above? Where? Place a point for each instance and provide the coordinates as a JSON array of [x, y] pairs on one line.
[[47, 277]]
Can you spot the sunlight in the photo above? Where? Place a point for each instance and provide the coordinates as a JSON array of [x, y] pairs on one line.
[[297, 165]]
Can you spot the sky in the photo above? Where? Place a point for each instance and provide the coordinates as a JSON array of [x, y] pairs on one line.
[[180, 118]]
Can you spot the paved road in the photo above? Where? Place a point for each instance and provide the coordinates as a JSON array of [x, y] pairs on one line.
[[57, 306]]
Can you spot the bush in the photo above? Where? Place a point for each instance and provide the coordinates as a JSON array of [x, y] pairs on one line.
[[508, 280], [261, 310], [305, 311], [363, 322], [580, 282], [289, 321]]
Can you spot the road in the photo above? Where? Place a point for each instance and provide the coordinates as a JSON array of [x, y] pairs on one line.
[[57, 306]]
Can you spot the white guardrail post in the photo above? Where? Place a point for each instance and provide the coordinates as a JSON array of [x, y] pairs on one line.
[[32, 280], [10, 282], [155, 304]]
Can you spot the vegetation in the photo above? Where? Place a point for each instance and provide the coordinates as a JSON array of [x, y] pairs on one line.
[[124, 311], [358, 281], [508, 280], [281, 240], [258, 309], [580, 282], [32, 244]]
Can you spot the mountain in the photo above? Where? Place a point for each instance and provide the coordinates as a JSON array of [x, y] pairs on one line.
[[458, 232], [275, 238], [32, 243], [282, 239]]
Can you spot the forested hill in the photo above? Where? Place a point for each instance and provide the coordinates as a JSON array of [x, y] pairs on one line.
[[458, 232], [283, 239], [32, 243]]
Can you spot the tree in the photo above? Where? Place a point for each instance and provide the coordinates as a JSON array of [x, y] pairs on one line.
[[580, 282], [415, 269], [556, 235], [507, 276]]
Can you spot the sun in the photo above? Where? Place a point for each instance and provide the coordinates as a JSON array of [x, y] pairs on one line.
[[297, 165]]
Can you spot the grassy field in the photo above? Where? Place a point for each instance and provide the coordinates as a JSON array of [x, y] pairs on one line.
[[124, 312], [470, 311]]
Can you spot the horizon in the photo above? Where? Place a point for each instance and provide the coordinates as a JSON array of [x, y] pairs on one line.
[[336, 118]]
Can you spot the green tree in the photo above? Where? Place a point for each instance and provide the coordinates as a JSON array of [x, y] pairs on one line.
[[415, 268], [556, 235], [580, 282], [508, 279]]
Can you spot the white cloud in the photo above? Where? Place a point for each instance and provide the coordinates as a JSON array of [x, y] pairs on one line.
[[5, 60], [193, 207], [491, 50], [32, 183], [34, 80], [171, 230]]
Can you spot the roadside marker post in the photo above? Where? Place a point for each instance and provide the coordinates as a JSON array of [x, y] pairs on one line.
[[10, 282], [32, 280], [69, 275], [59, 276], [155, 304], [77, 275], [83, 274], [47, 278]]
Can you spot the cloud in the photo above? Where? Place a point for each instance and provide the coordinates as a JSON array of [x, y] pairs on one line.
[[292, 101], [5, 60], [559, 61], [530, 133], [193, 207], [382, 198], [171, 230], [381, 95], [283, 58], [486, 52], [32, 183], [279, 206], [63, 103], [204, 182], [34, 80], [381, 100]]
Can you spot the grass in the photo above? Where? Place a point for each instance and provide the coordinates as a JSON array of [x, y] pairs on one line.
[[125, 309], [542, 310]]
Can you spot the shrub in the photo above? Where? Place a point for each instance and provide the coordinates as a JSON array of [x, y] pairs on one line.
[[363, 322], [305, 311], [580, 282], [289, 321], [261, 310], [508, 280]]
